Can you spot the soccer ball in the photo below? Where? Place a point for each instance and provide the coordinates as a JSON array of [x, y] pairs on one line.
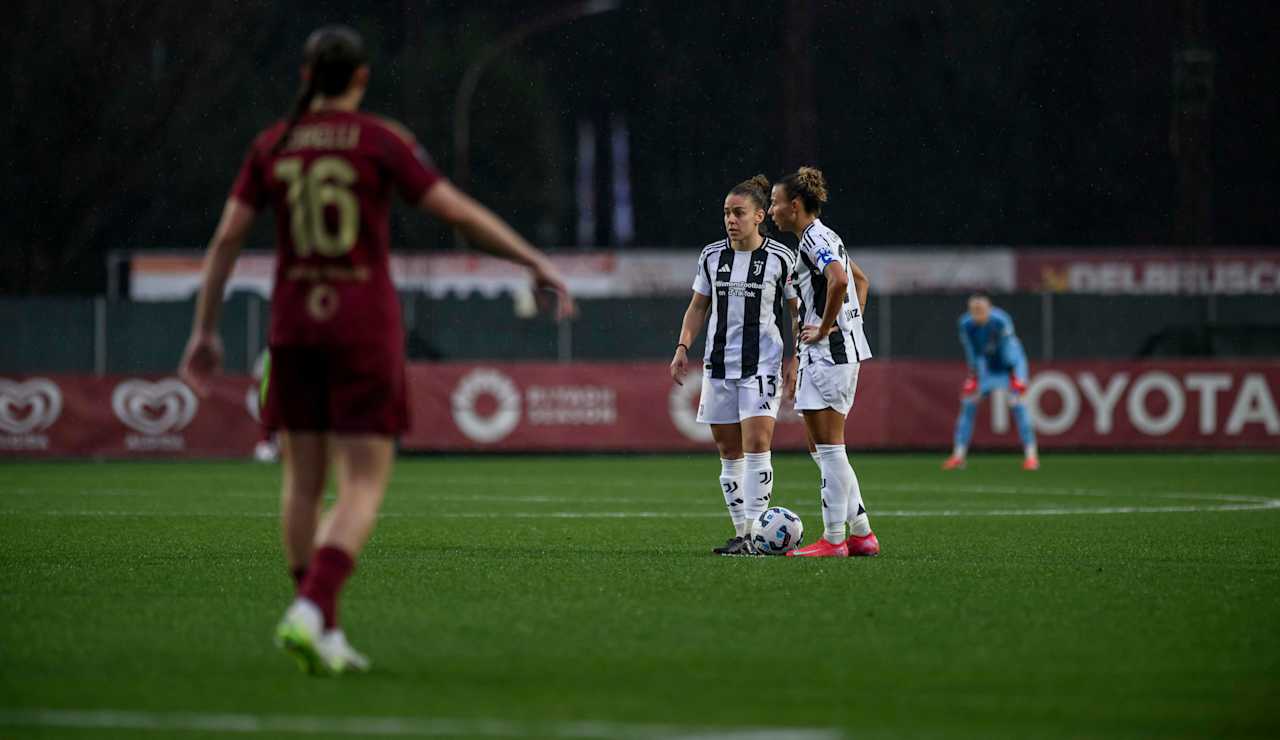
[[776, 531]]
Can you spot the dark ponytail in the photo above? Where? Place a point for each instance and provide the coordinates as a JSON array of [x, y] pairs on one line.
[[301, 104], [331, 56]]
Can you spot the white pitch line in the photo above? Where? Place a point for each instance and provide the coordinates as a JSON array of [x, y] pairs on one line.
[[1228, 503], [390, 726], [1095, 510]]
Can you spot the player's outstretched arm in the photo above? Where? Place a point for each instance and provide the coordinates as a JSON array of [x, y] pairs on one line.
[[203, 354], [486, 230], [694, 317]]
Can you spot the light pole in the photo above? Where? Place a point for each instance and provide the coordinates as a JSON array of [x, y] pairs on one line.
[[471, 78]]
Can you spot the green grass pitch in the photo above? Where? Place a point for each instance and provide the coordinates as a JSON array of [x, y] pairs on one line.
[[1103, 597]]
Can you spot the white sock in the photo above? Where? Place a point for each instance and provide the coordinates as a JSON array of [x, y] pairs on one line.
[[859, 524], [757, 485], [960, 451], [1030, 451], [837, 475], [731, 485]]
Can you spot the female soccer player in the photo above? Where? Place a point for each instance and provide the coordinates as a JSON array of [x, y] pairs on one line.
[[831, 347], [996, 362], [337, 387], [741, 282]]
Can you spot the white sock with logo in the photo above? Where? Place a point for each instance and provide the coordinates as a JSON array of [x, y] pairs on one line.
[[734, 500], [859, 524], [837, 477], [757, 485]]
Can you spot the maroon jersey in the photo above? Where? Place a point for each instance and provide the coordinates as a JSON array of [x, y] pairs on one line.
[[330, 186]]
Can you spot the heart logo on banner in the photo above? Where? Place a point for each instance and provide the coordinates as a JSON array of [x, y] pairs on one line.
[[154, 408], [29, 406]]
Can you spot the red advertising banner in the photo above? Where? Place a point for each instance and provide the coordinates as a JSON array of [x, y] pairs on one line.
[[900, 405], [551, 407], [126, 416], [1235, 271]]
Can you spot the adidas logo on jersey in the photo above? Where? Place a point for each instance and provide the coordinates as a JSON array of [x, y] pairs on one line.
[[765, 406], [725, 268]]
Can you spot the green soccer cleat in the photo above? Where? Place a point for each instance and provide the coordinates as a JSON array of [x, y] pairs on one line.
[[300, 634]]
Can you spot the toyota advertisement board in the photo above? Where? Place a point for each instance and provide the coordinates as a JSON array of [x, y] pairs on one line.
[[900, 405], [583, 407]]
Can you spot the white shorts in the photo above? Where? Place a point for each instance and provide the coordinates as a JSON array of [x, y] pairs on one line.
[[731, 401], [824, 385]]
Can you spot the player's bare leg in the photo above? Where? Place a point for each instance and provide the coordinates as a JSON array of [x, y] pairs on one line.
[[302, 493], [301, 631], [362, 466], [728, 439]]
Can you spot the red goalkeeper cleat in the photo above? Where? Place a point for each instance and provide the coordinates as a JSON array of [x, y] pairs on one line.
[[970, 386], [820, 549], [1031, 463], [954, 462], [1017, 385], [867, 546]]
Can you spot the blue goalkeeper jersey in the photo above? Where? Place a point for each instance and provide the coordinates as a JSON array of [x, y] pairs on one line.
[[991, 348]]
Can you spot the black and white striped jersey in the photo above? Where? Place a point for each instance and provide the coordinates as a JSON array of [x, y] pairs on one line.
[[819, 247], [744, 333]]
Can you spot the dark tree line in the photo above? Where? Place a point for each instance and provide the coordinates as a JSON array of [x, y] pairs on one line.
[[938, 121]]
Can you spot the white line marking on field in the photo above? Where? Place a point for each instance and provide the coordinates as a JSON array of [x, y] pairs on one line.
[[389, 726], [1227, 502]]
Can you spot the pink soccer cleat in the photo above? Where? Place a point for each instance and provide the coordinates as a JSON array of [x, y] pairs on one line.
[[867, 546], [955, 462], [1031, 463], [820, 549]]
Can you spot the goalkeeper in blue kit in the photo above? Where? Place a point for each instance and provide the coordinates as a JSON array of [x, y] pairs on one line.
[[996, 362]]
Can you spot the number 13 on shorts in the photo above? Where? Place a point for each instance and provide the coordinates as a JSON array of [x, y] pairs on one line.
[[758, 396], [730, 401]]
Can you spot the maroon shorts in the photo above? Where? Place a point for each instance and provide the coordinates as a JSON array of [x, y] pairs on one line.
[[347, 390]]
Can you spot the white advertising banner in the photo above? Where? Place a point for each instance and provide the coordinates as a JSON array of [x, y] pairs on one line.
[[614, 274]]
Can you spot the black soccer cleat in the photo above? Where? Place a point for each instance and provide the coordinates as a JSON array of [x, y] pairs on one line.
[[737, 547], [727, 546]]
